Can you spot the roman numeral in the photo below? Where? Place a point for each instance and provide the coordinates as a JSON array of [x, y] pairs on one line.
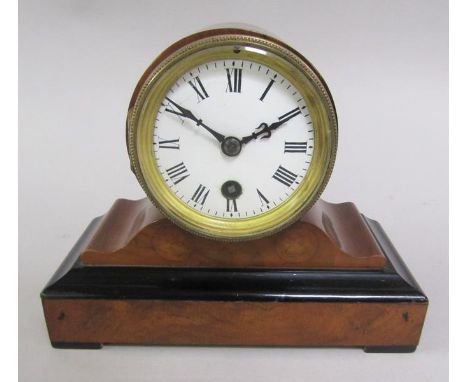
[[284, 176], [290, 114], [200, 194], [263, 199], [267, 90], [178, 172], [231, 205], [169, 144], [197, 85], [295, 147], [234, 77]]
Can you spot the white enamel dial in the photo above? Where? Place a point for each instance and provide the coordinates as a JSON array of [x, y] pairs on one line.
[[270, 125]]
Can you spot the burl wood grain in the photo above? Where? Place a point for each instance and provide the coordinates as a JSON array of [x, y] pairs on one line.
[[329, 236], [233, 323]]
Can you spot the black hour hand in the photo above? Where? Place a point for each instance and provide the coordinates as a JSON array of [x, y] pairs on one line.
[[183, 112]]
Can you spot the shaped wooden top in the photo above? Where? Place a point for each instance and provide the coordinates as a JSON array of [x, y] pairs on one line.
[[329, 236]]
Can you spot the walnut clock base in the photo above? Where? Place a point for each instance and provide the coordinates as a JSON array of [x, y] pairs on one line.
[[331, 279]]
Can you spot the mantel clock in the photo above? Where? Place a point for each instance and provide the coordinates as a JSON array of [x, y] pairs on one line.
[[232, 135]]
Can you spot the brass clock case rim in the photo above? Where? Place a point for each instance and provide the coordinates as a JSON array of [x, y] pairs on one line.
[[209, 46]]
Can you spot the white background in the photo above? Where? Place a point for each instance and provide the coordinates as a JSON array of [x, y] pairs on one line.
[[387, 68]]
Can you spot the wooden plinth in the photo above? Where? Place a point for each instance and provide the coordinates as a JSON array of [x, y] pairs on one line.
[[331, 279]]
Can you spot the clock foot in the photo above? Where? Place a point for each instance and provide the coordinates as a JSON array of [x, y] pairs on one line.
[[390, 349], [76, 345]]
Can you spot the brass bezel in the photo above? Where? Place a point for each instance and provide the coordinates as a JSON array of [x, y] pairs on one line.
[[224, 44]]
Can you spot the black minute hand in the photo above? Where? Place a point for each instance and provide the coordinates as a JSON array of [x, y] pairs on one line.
[[183, 112], [266, 129]]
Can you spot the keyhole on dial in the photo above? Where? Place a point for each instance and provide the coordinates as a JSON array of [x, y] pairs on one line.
[[231, 189]]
